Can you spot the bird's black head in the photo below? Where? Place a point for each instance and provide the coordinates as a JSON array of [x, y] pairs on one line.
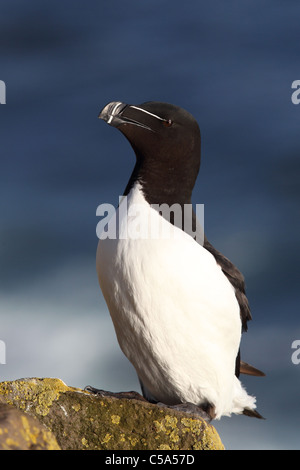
[[166, 141]]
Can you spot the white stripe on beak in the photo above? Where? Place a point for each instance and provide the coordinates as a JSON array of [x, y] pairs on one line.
[[113, 112]]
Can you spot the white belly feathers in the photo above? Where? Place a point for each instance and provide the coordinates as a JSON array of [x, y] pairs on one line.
[[175, 313]]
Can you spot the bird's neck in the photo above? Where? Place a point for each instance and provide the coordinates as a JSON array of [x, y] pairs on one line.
[[175, 188]]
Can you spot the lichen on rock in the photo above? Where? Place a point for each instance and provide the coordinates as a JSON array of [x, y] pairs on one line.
[[19, 431], [81, 420]]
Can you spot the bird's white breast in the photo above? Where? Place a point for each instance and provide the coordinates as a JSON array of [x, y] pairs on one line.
[[175, 313]]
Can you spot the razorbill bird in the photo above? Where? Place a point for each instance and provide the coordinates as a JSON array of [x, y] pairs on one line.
[[178, 305]]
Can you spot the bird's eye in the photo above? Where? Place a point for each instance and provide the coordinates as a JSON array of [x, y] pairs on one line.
[[167, 123]]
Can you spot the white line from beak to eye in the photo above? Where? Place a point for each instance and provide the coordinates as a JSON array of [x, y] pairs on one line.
[[147, 112]]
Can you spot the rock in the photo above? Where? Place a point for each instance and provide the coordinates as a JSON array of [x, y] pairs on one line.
[[19, 431], [81, 420]]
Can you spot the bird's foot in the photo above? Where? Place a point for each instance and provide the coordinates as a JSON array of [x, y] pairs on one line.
[[103, 393], [206, 412]]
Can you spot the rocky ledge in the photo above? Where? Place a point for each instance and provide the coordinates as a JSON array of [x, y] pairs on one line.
[[45, 413]]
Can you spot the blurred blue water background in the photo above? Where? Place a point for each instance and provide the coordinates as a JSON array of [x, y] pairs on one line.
[[231, 64]]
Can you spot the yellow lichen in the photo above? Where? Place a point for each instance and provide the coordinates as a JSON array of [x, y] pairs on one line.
[[168, 427], [84, 442], [192, 426], [159, 426], [29, 433], [164, 447], [115, 419], [209, 437], [50, 440], [133, 440], [32, 435], [106, 439], [174, 437], [39, 392], [76, 406], [11, 442]]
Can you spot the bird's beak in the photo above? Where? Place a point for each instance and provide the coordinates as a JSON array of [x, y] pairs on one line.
[[111, 113], [117, 113]]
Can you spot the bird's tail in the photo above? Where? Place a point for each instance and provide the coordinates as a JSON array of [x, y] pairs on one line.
[[252, 413], [250, 370]]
